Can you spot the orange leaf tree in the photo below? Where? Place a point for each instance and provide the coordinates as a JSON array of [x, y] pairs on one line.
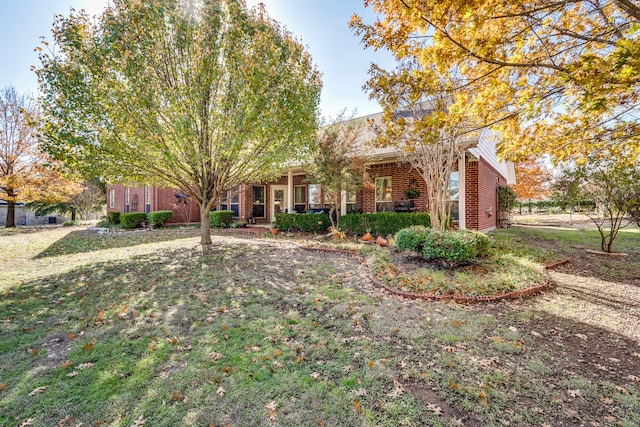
[[552, 77]]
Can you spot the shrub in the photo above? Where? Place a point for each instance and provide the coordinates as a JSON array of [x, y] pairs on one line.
[[70, 223], [460, 246], [314, 223], [114, 217], [382, 223], [159, 218], [238, 224], [221, 218], [412, 238], [132, 219]]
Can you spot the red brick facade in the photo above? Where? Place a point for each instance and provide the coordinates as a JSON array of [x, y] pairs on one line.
[[481, 194], [480, 185]]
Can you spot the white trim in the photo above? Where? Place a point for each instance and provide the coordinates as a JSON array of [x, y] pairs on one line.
[[290, 195], [343, 202], [272, 204], [462, 199]]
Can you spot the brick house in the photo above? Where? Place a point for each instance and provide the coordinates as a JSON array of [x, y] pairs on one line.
[[473, 190]]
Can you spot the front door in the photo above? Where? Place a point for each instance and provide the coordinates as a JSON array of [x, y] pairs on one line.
[[278, 200]]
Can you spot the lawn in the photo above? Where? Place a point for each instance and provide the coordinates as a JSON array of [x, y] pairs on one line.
[[143, 328]]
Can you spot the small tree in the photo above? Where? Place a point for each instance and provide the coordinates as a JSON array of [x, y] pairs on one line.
[[74, 199], [337, 161], [428, 129], [612, 187]]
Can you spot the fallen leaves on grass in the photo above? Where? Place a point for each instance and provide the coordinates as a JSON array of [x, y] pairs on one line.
[[574, 393], [634, 378], [271, 406], [397, 391], [140, 422], [434, 408], [66, 364], [357, 406], [360, 392], [177, 396], [68, 420], [221, 391], [27, 422], [3, 386], [38, 390], [72, 374], [87, 365], [215, 356]]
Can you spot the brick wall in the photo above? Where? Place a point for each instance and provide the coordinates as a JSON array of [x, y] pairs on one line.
[[401, 176], [488, 181], [471, 194]]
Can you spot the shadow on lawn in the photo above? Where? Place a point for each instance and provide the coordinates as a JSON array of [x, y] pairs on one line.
[[177, 339], [81, 241]]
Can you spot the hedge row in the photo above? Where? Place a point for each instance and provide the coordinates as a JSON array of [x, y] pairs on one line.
[[452, 246], [132, 219], [135, 219], [221, 218], [159, 218], [314, 223], [382, 223]]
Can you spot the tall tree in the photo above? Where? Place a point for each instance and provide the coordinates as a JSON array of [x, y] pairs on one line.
[[22, 171], [431, 134], [552, 77], [72, 198], [200, 96], [338, 162]]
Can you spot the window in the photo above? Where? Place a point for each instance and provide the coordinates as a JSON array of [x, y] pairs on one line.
[[384, 198], [112, 199], [314, 197], [126, 200], [351, 201], [235, 201], [223, 200], [454, 195], [147, 199], [258, 201], [300, 198]]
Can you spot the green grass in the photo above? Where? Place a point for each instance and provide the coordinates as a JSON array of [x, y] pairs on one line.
[[144, 326]]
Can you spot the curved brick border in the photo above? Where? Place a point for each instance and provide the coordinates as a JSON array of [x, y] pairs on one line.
[[457, 298]]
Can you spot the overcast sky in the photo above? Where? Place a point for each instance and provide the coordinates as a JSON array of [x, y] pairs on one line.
[[322, 25]]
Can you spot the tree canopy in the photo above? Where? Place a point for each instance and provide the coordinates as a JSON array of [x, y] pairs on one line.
[[197, 96], [552, 77], [24, 175]]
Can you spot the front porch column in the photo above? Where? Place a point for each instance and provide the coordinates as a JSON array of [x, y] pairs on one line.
[[462, 200], [290, 191], [343, 202]]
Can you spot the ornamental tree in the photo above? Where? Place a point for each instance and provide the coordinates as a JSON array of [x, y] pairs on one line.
[[199, 96], [429, 132], [552, 77], [338, 162]]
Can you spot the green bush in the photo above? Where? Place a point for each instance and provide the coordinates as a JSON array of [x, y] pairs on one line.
[[132, 219], [412, 238], [459, 246], [239, 224], [221, 218], [314, 223], [114, 217], [159, 218], [70, 223], [382, 223]]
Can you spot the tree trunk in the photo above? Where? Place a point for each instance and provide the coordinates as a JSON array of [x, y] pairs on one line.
[[73, 214], [205, 226], [11, 214]]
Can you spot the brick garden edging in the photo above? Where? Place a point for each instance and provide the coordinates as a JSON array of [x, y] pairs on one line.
[[457, 298]]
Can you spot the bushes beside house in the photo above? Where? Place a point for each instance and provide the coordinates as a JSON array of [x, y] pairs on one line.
[[132, 219], [159, 218], [221, 219], [382, 223], [451, 246], [313, 223], [114, 217]]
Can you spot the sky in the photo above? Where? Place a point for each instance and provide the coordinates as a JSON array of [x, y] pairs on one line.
[[321, 25]]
